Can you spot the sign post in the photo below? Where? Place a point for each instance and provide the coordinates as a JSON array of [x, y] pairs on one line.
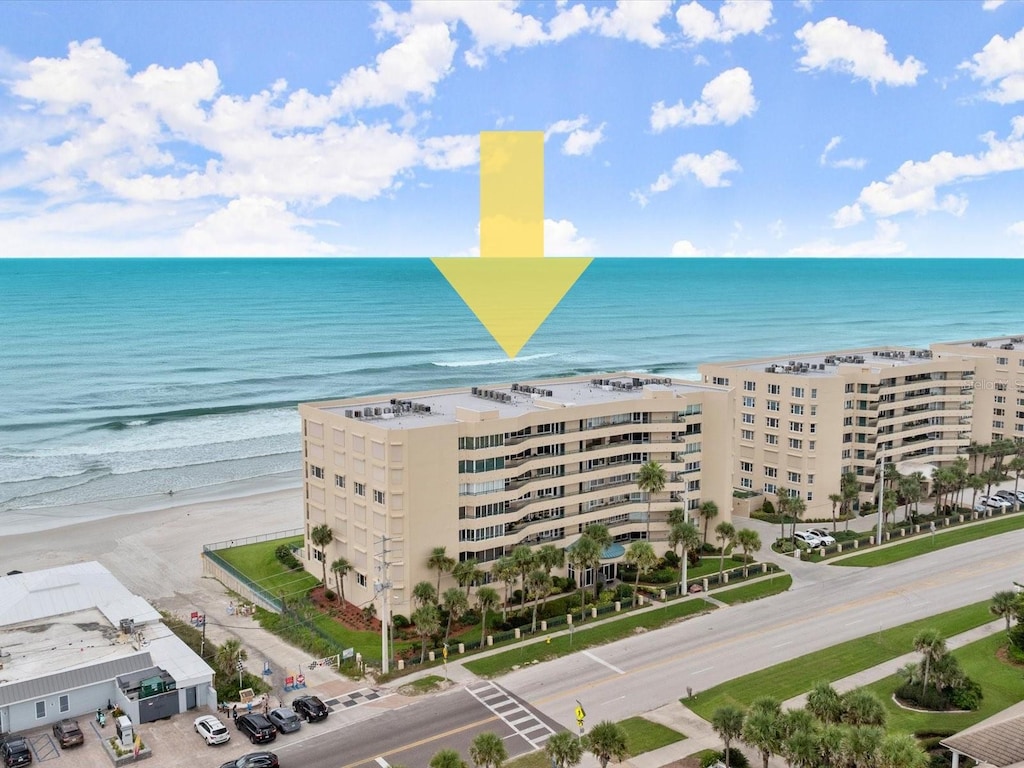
[[580, 716], [444, 655]]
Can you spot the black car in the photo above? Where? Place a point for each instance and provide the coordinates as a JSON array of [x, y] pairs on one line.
[[68, 734], [256, 727], [310, 707], [14, 751], [253, 760]]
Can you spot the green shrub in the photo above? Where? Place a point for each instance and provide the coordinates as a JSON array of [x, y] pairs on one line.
[[400, 621], [927, 698], [286, 556], [736, 758], [623, 592], [967, 695], [329, 594], [768, 508], [671, 559]]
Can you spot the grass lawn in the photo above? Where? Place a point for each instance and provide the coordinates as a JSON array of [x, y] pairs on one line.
[[923, 543], [799, 675], [770, 586], [537, 759], [257, 562], [644, 736], [1002, 684], [423, 685], [585, 636]]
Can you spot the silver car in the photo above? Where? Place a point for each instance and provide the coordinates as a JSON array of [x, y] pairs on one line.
[[284, 720]]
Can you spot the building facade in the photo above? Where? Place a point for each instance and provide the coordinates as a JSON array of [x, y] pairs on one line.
[[480, 471], [802, 422]]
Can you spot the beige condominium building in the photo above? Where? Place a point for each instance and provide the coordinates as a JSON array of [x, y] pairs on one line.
[[998, 385], [480, 471], [803, 421]]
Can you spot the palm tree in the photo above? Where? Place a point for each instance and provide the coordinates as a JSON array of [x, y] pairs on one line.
[[686, 537], [749, 541], [1016, 466], [455, 604], [228, 656], [564, 749], [488, 751], [427, 619], [585, 554], [607, 741], [1004, 603], [439, 559], [708, 510], [836, 499], [849, 488], [677, 515], [799, 739], [762, 727], [782, 500], [825, 703], [888, 505], [642, 557], [322, 536], [466, 573], [549, 557], [830, 745], [651, 480], [603, 538], [862, 707], [861, 745], [975, 483], [727, 721], [447, 758], [340, 569], [726, 535], [505, 570], [900, 750], [424, 593], [486, 599], [910, 491], [797, 507], [538, 584], [524, 560], [931, 646]]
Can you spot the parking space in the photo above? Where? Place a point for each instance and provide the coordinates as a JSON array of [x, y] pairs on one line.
[[43, 747]]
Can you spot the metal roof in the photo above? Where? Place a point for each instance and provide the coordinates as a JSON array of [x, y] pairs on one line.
[[1000, 744], [61, 682]]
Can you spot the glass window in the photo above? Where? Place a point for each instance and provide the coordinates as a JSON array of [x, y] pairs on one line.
[[40, 710]]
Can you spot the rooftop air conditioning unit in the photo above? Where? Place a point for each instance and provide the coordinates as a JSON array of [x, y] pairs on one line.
[[357, 414], [474, 390], [426, 409], [376, 411], [348, 413]]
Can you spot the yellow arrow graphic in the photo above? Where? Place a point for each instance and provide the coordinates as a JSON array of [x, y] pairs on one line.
[[512, 288]]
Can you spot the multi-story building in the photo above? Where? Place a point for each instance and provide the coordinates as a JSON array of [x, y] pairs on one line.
[[802, 422], [998, 385], [480, 471]]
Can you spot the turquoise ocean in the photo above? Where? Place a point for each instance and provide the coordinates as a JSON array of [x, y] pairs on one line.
[[124, 377]]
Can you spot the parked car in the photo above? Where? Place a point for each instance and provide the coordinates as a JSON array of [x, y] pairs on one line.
[[827, 539], [807, 538], [310, 708], [981, 506], [256, 727], [995, 502], [285, 720], [68, 733], [1009, 496], [14, 751], [254, 760], [212, 730]]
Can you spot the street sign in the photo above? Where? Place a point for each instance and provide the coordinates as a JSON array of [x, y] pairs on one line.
[[348, 653], [444, 651], [580, 712]]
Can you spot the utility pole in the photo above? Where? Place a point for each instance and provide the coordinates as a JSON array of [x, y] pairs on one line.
[[382, 585]]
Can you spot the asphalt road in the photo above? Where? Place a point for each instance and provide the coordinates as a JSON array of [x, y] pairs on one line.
[[828, 605]]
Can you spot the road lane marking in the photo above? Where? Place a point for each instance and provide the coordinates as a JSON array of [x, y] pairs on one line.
[[612, 667], [706, 669], [779, 645], [851, 623], [427, 740], [481, 694]]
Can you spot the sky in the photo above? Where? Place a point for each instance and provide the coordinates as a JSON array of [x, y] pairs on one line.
[[749, 128]]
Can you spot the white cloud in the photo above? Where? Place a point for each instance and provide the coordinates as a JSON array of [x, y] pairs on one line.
[[252, 226], [724, 100], [443, 153], [991, 5], [708, 169], [914, 187], [579, 141], [855, 163], [884, 243], [1001, 61], [634, 21], [735, 18], [685, 248], [1017, 229], [561, 238], [701, 61], [805, 5], [777, 229], [834, 44], [847, 216]]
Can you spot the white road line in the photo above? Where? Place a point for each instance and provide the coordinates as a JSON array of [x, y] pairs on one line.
[[612, 667], [697, 672], [788, 642], [851, 623], [983, 586]]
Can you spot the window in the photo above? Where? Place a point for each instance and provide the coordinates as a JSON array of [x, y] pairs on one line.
[[746, 466], [811, 444], [814, 394], [998, 412], [487, 441], [378, 497], [748, 402], [748, 418], [720, 381], [769, 487], [746, 482], [1000, 398], [849, 389], [359, 488], [846, 453], [771, 422], [747, 434], [796, 409], [693, 485], [796, 426], [749, 386], [797, 391], [810, 495], [40, 710], [847, 405], [64, 703], [814, 427], [485, 465], [339, 481], [317, 472], [796, 443], [848, 421], [773, 405], [793, 477], [1002, 361], [862, 388], [814, 410], [473, 489], [997, 425], [771, 439], [771, 472], [774, 389], [810, 481], [361, 579]]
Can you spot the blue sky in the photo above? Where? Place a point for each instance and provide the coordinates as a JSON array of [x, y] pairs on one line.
[[674, 128]]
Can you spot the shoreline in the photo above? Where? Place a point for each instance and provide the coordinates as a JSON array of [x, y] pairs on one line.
[[30, 520]]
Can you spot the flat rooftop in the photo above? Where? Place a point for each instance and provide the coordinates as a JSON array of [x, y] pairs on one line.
[[511, 400], [998, 342], [825, 364]]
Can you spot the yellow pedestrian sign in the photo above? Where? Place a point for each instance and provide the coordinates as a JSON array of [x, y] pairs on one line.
[[580, 713], [444, 651]]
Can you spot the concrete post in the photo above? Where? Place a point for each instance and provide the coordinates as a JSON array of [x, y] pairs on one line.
[[871, 540], [705, 584], [543, 625], [593, 613], [568, 618], [839, 547], [856, 543], [725, 577], [462, 647], [663, 594], [401, 664], [490, 640], [517, 633], [618, 606], [430, 655]]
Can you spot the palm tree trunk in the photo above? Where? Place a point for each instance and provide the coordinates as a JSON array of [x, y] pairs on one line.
[[636, 586], [483, 627]]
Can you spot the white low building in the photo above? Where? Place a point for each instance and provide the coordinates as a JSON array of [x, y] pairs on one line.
[[73, 640]]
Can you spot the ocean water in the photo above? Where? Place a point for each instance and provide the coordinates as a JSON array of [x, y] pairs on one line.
[[122, 378]]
